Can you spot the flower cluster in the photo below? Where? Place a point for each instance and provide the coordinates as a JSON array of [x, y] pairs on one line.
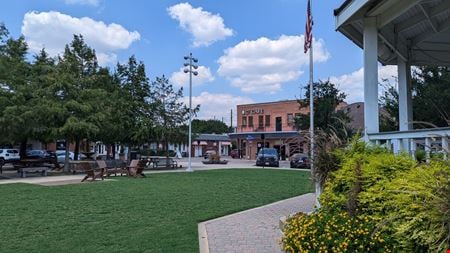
[[333, 232]]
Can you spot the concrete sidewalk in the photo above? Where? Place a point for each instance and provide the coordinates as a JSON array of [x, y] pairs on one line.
[[251, 231]]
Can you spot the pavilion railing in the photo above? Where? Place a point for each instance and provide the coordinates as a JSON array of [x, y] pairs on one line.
[[431, 140]]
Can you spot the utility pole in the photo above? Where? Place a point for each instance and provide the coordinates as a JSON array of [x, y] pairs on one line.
[[190, 65]]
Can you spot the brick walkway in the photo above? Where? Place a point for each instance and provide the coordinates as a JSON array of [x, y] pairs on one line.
[[251, 231]]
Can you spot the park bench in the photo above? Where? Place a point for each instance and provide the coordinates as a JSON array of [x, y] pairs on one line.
[[115, 166], [165, 162]]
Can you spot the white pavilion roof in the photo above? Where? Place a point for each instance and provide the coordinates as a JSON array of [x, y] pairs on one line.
[[415, 30]]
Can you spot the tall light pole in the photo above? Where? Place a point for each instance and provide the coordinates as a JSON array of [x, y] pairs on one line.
[[190, 64]]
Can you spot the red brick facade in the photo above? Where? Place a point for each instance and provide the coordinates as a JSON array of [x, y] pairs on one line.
[[263, 117], [276, 120]]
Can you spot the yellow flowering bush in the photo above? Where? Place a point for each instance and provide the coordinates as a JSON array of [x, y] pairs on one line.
[[333, 232], [377, 202]]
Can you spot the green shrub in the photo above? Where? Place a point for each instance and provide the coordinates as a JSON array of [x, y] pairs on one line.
[[333, 232], [406, 202], [377, 167], [420, 155], [418, 205]]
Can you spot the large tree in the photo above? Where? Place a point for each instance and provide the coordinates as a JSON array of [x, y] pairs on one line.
[[77, 94], [430, 100], [135, 101], [209, 126], [327, 115], [171, 112]]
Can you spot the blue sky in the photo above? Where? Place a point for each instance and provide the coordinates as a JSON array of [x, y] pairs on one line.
[[248, 51]]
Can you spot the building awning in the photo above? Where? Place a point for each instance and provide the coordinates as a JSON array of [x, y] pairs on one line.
[[201, 143]]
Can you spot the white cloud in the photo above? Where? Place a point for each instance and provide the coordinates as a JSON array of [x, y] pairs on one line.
[[53, 30], [263, 65], [353, 84], [180, 78], [84, 2], [218, 105], [206, 27]]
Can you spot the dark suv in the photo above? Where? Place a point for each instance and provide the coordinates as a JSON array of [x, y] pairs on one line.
[[267, 157]]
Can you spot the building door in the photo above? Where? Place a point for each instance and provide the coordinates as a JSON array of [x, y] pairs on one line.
[[278, 126]]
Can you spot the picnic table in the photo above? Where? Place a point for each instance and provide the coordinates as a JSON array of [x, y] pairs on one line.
[[162, 161], [25, 166]]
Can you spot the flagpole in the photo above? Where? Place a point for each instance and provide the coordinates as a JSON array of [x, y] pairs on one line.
[[311, 120]]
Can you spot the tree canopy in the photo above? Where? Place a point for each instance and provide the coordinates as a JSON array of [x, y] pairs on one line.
[[327, 115], [71, 97], [430, 100]]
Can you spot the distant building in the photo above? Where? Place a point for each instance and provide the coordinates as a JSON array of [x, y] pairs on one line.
[[220, 143], [270, 124], [356, 113]]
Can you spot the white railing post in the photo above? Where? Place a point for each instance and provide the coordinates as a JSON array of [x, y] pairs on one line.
[[428, 149], [413, 147], [397, 146], [445, 147], [388, 144]]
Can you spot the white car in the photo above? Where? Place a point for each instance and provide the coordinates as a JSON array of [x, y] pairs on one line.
[[61, 156], [9, 155]]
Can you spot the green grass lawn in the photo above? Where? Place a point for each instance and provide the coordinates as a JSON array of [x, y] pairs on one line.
[[154, 214]]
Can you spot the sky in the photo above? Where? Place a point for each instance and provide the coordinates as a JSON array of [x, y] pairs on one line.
[[248, 51]]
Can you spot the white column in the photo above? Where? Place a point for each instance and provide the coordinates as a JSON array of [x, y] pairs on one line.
[[404, 99], [371, 116]]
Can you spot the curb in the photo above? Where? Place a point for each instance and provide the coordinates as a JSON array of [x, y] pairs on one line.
[[203, 238]]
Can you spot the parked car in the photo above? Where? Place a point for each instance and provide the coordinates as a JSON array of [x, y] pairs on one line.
[[268, 157], [209, 153], [234, 153], [61, 156], [9, 155], [299, 160], [41, 154]]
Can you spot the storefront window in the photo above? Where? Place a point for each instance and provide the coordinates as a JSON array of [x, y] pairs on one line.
[[250, 121], [260, 121]]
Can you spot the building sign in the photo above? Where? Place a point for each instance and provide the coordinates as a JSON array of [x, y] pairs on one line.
[[253, 111]]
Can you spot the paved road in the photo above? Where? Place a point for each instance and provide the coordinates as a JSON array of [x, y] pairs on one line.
[[251, 231]]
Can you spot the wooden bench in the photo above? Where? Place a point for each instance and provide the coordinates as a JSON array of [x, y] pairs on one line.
[[114, 167], [165, 162], [90, 168]]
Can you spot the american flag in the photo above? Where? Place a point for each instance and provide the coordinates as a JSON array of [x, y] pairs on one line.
[[308, 28]]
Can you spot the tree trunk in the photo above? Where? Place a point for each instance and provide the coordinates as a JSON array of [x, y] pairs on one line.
[[77, 149], [66, 159], [129, 153], [114, 150], [108, 151], [23, 148]]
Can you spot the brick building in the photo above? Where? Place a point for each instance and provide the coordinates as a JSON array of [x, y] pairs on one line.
[[270, 124]]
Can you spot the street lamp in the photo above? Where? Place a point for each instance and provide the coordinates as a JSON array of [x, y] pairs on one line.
[[190, 65]]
